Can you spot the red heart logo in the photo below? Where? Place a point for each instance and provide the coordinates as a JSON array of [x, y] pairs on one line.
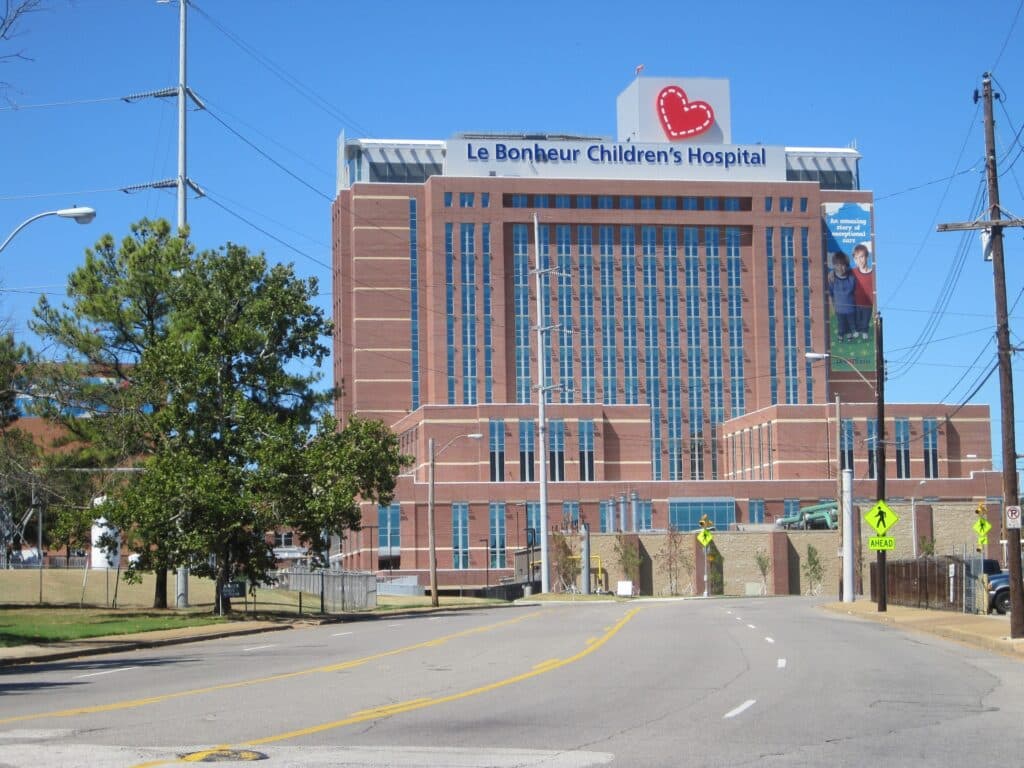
[[681, 118]]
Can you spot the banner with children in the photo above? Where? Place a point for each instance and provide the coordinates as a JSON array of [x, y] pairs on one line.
[[850, 284]]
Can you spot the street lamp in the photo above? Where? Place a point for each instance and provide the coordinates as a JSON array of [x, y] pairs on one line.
[[879, 390], [432, 543], [82, 215]]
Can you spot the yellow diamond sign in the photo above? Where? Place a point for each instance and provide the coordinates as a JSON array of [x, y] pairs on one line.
[[982, 526], [704, 537], [881, 518]]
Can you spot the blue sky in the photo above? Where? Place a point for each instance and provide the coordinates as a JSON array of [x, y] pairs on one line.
[[895, 78]]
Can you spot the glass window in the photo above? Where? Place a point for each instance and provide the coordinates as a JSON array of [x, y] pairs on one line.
[[668, 203], [460, 535], [532, 523], [685, 514], [755, 511], [803, 205], [563, 201], [586, 437], [485, 200], [447, 199], [527, 457], [846, 443], [710, 203], [785, 204], [609, 515], [540, 201], [496, 545], [605, 201], [497, 445], [465, 199], [644, 515], [556, 450], [732, 203], [627, 203], [389, 541], [791, 507], [647, 202], [519, 201], [767, 205], [931, 447], [902, 447], [570, 515], [583, 201], [690, 204]]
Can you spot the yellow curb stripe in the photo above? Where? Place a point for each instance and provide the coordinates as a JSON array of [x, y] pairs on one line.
[[133, 703]]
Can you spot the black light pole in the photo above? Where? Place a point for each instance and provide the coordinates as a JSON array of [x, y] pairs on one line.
[[883, 582]]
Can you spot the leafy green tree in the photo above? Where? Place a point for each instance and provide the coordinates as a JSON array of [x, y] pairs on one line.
[[118, 308], [243, 450], [627, 553], [814, 570], [764, 565], [677, 558]]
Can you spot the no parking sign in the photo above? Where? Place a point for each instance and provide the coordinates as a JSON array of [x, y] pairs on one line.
[[1013, 517]]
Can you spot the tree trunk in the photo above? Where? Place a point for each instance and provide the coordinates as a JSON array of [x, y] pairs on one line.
[[222, 604], [160, 592]]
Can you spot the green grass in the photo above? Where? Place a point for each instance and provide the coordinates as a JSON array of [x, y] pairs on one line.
[[20, 626]]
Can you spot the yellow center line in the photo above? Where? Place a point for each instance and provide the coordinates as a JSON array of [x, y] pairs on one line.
[[133, 703], [390, 710]]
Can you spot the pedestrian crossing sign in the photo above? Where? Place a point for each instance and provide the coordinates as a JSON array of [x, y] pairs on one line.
[[881, 518], [704, 537]]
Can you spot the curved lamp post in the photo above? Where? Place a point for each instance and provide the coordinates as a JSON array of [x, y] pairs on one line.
[[82, 215], [432, 543]]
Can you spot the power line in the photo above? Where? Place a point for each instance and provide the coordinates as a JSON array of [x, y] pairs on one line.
[[267, 157], [301, 88], [273, 237], [1009, 34]]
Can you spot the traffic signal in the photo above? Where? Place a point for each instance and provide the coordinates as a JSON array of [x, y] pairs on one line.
[[705, 522], [981, 510]]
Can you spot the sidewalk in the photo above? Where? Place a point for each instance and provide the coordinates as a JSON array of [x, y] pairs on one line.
[[990, 632]]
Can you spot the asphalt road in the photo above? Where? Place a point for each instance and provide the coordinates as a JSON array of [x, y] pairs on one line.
[[774, 682]]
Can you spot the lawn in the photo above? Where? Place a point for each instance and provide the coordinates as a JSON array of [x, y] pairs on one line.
[[19, 626]]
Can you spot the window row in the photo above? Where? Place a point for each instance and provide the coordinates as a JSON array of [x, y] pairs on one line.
[[628, 202]]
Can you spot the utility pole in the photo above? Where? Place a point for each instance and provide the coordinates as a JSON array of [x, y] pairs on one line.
[[883, 580], [181, 183], [182, 179], [542, 426], [995, 224]]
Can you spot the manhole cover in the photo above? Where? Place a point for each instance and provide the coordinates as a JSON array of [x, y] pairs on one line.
[[223, 756]]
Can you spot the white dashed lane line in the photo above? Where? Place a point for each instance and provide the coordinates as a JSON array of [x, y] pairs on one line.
[[740, 709], [751, 626], [104, 672], [341, 634], [258, 647], [782, 664], [769, 639]]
